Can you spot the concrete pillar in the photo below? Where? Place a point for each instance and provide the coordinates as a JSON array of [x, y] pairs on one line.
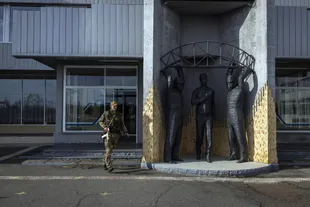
[[59, 103], [153, 119], [258, 34]]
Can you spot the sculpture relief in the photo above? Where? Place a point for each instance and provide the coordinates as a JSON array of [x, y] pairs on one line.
[[174, 119], [203, 99], [235, 115]]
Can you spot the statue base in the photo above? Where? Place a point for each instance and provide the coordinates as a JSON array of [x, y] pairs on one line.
[[219, 167]]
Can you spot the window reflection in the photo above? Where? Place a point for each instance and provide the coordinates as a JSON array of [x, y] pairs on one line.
[[33, 109], [86, 103], [85, 77], [50, 109], [293, 99], [121, 77], [10, 109], [34, 86], [11, 85], [29, 96], [83, 108], [50, 86]]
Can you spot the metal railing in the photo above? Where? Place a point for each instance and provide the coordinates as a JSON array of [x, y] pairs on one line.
[[207, 54]]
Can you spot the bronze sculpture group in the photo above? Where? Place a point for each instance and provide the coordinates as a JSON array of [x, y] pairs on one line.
[[203, 99]]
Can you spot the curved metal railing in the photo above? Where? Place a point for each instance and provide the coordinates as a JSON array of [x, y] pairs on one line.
[[207, 54]]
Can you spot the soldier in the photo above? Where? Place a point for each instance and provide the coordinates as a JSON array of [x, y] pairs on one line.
[[112, 121]]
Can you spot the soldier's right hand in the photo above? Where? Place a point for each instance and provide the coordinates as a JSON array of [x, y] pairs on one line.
[[105, 129]]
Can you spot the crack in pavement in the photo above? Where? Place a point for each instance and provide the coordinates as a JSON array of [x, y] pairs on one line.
[[248, 196], [85, 196], [163, 193], [261, 193]]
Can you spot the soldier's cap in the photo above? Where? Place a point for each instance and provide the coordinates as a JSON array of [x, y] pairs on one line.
[[113, 103]]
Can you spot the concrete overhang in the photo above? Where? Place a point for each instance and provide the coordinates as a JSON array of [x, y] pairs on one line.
[[53, 62], [206, 7]]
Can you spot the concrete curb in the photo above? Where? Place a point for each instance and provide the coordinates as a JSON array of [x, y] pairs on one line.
[[212, 173], [74, 163]]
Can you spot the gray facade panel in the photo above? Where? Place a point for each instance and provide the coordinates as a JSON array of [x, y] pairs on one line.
[[103, 30], [292, 31], [7, 62], [305, 3], [76, 1]]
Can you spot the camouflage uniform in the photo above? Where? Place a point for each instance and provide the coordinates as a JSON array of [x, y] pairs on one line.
[[116, 127]]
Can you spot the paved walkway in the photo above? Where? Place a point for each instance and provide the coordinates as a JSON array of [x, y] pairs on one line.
[[82, 186]]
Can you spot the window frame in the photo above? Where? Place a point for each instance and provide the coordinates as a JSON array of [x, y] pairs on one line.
[[21, 94], [286, 126], [105, 87]]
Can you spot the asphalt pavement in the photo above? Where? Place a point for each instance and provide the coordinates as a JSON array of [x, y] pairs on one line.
[[92, 186]]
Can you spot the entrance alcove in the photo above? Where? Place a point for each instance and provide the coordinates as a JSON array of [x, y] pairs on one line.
[[208, 41]]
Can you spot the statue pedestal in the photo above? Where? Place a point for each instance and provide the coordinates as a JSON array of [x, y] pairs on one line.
[[219, 167]]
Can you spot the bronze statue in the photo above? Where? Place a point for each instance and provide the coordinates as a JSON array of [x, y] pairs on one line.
[[174, 120], [235, 114], [203, 98]]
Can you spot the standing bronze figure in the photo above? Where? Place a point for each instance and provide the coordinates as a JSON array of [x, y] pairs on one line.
[[235, 115], [175, 116], [203, 98]]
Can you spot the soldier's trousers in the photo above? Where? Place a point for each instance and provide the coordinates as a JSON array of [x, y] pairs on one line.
[[110, 145]]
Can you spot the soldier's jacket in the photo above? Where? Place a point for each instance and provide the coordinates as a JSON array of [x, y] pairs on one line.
[[117, 125]]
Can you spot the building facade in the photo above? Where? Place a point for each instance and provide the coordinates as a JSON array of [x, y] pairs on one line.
[[62, 63]]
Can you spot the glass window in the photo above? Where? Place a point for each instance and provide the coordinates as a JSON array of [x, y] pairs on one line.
[[50, 85], [84, 108], [50, 109], [85, 77], [1, 23], [293, 78], [10, 84], [20, 8], [34, 85], [121, 77], [130, 108], [85, 101], [293, 98], [10, 108], [31, 96], [33, 109]]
